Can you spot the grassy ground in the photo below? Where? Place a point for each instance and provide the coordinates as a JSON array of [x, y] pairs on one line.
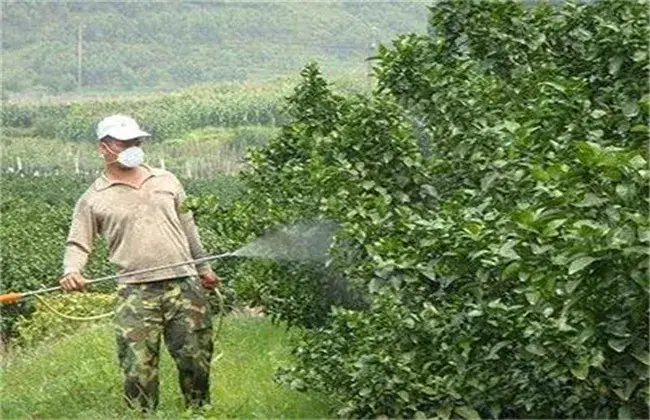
[[78, 377]]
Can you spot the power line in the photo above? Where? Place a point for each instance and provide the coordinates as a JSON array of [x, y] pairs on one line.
[[79, 56]]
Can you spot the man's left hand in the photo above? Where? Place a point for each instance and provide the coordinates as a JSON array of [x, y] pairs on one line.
[[210, 280]]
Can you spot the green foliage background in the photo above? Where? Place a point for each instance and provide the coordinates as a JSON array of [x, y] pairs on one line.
[[493, 195]]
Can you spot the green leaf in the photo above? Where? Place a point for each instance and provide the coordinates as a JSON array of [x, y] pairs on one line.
[[507, 250], [497, 304], [580, 264], [428, 390], [494, 351], [548, 312], [562, 324], [630, 110], [590, 148], [297, 384], [555, 86], [403, 395], [585, 335], [420, 415], [375, 284], [444, 412], [511, 126], [597, 113], [467, 412], [624, 412], [642, 356], [640, 56], [537, 250], [511, 270], [638, 162], [625, 393], [581, 371], [474, 313], [624, 191], [571, 285], [540, 174], [591, 224], [591, 200], [615, 64], [365, 392], [535, 349], [554, 224], [532, 297], [597, 359], [525, 217], [618, 328], [613, 214], [619, 344], [367, 185], [429, 274], [473, 229], [429, 190], [639, 128]]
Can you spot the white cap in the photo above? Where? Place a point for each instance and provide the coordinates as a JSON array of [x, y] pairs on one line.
[[120, 127]]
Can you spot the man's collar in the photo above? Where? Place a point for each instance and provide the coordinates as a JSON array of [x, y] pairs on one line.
[[103, 182]]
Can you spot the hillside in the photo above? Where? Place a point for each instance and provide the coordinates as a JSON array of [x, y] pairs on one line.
[[129, 46]]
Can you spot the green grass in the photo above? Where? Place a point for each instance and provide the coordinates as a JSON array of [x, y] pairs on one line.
[[78, 377]]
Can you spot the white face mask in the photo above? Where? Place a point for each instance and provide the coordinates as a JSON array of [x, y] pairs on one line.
[[130, 158]]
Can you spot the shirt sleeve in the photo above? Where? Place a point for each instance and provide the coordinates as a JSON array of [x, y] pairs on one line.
[[79, 243], [191, 231]]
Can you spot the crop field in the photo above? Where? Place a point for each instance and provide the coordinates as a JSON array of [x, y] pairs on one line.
[[491, 258], [202, 153]]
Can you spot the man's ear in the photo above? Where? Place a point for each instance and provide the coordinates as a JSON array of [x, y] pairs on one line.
[[101, 148]]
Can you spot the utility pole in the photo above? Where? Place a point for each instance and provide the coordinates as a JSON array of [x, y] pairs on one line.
[[79, 56], [372, 49]]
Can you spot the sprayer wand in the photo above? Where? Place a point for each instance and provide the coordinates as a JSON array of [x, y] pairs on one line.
[[301, 241], [14, 297]]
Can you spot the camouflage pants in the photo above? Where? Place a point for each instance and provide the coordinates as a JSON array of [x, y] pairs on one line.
[[179, 310]]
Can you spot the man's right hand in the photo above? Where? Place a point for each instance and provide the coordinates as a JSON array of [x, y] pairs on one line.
[[73, 281]]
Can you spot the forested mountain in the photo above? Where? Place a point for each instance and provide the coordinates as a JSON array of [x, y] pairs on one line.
[[141, 46]]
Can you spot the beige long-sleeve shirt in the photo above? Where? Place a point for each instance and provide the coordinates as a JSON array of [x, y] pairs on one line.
[[144, 228]]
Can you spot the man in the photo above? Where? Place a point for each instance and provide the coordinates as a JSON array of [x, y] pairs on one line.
[[138, 210]]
